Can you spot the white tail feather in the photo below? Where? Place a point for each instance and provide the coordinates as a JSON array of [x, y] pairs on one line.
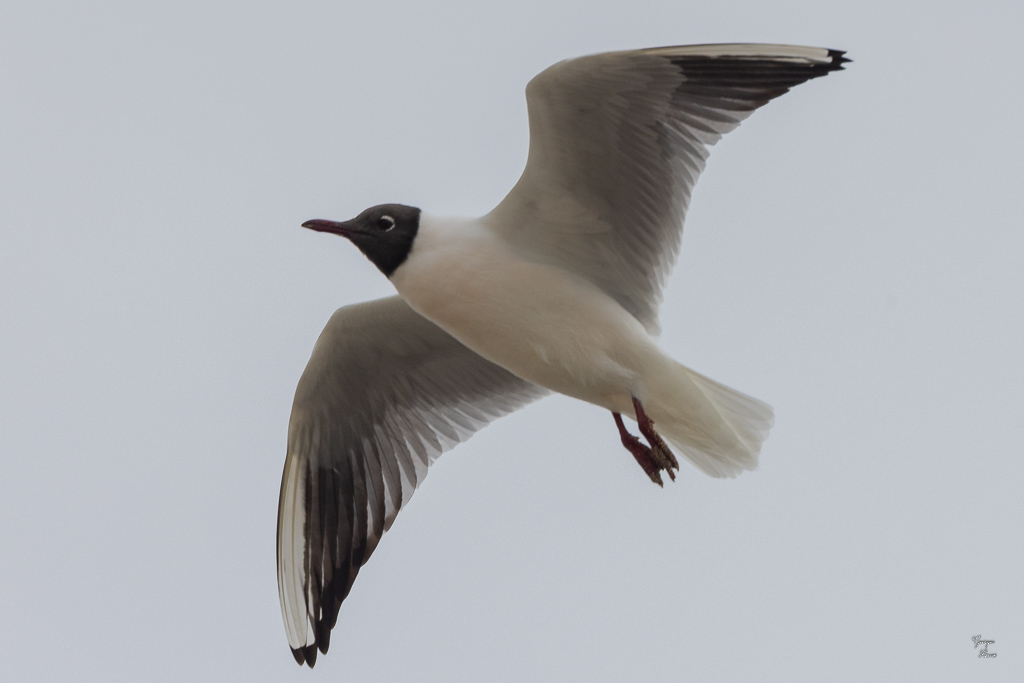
[[719, 429]]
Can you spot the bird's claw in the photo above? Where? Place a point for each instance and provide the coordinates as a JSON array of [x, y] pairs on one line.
[[652, 459]]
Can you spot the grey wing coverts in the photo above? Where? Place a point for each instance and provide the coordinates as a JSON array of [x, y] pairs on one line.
[[617, 141], [384, 394]]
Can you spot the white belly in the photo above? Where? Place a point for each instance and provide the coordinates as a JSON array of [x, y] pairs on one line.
[[540, 323]]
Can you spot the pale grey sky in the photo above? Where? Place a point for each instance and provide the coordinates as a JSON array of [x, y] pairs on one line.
[[852, 256]]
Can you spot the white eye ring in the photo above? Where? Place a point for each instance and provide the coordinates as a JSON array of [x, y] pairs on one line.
[[385, 223]]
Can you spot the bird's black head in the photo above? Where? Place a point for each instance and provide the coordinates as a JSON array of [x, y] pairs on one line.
[[384, 233]]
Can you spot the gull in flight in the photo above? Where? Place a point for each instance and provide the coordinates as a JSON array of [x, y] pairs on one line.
[[555, 290]]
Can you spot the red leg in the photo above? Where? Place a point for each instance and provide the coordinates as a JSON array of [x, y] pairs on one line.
[[660, 450], [641, 452]]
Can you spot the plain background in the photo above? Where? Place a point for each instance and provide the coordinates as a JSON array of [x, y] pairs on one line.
[[852, 256]]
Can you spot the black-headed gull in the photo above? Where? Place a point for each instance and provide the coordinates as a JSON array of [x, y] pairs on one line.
[[556, 289]]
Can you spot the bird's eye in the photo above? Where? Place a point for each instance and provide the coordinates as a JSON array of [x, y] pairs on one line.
[[385, 223]]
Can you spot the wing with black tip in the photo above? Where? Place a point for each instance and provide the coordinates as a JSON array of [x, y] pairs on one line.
[[384, 394], [617, 141]]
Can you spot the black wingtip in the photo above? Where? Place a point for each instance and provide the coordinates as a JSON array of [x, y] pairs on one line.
[[838, 59], [310, 653], [305, 655], [323, 637]]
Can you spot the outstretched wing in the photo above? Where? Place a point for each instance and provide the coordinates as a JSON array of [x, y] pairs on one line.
[[384, 394], [617, 141]]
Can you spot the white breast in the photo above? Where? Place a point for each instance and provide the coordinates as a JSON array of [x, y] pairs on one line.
[[537, 321]]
